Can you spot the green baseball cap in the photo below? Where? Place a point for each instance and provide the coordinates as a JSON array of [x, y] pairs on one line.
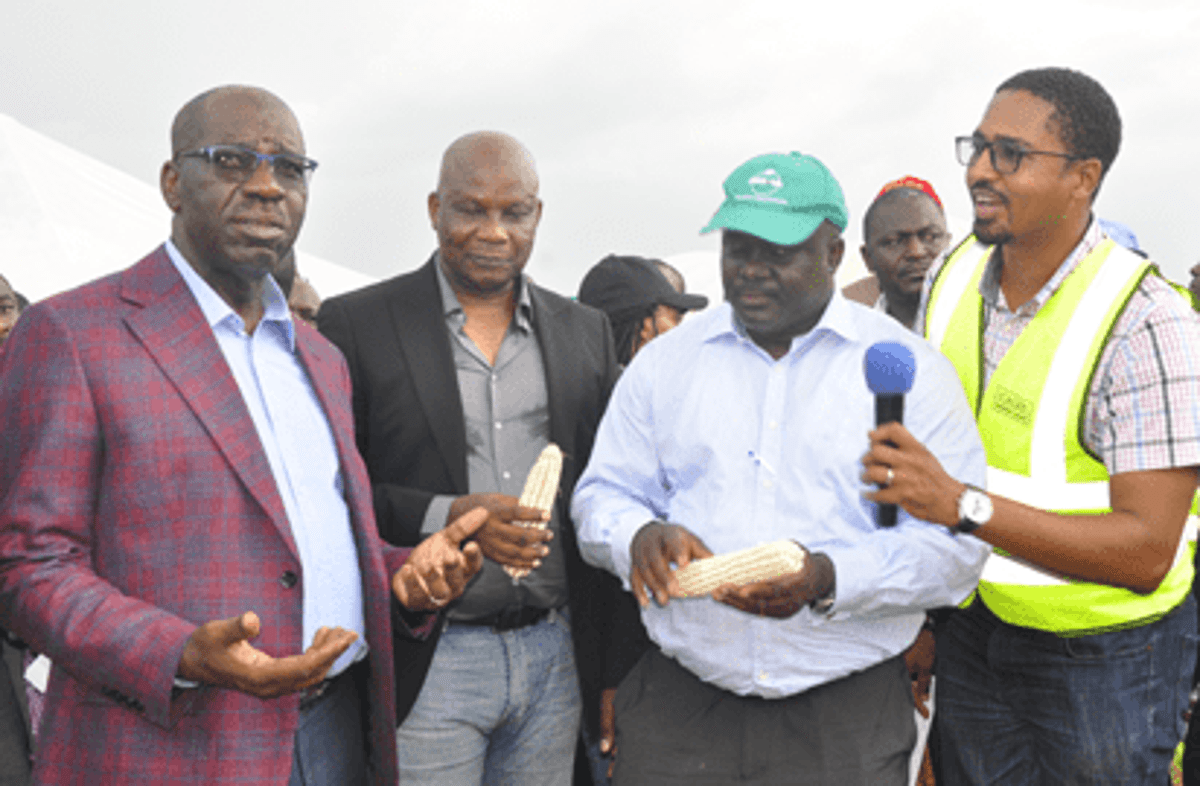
[[780, 197]]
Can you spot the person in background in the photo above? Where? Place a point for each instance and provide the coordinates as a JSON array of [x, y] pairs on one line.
[[464, 370], [1072, 665], [10, 309], [904, 231], [639, 301], [14, 713], [643, 298], [302, 298], [671, 274], [304, 302], [744, 426]]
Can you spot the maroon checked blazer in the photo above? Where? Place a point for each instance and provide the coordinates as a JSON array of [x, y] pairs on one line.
[[136, 502]]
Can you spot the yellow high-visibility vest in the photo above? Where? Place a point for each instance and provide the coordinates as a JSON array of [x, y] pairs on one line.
[[1029, 418]]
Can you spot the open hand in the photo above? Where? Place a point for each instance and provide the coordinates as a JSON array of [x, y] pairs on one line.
[[501, 539], [219, 653], [438, 569], [655, 546]]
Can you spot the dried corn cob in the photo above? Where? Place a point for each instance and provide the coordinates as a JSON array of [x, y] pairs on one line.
[[757, 563], [541, 487]]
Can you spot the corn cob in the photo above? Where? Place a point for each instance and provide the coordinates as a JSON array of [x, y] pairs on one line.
[[757, 563], [541, 487]]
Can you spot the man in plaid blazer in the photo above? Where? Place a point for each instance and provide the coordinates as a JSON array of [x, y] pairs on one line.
[[157, 517]]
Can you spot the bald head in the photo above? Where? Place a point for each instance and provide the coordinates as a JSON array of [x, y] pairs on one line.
[[224, 103], [485, 212], [487, 150]]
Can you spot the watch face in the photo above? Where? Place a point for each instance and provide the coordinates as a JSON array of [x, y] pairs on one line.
[[975, 506]]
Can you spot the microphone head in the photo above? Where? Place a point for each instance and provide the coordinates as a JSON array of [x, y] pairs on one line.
[[890, 368]]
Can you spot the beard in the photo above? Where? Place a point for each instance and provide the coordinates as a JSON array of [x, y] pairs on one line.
[[985, 234]]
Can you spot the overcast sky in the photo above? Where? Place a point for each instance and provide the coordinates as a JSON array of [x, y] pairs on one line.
[[634, 111]]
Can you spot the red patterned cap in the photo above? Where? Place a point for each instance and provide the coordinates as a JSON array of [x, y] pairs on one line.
[[915, 183]]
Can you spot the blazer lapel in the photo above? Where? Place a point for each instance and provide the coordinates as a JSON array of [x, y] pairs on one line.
[[174, 332], [420, 328], [562, 371]]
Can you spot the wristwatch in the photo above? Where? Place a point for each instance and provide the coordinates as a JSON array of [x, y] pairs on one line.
[[974, 510]]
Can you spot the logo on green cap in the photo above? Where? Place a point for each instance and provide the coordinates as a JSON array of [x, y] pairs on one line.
[[763, 186]]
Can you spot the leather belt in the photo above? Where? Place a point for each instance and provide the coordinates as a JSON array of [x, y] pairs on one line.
[[510, 618]]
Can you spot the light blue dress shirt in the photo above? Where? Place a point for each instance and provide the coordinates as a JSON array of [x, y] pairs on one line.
[[301, 451], [707, 430]]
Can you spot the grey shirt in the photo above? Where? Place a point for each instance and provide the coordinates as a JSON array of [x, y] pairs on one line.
[[506, 412]]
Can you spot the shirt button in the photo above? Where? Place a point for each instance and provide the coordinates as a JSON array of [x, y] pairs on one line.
[[499, 425], [506, 474], [288, 579], [773, 424], [766, 484]]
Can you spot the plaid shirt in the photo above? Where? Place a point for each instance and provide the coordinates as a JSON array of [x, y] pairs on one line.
[[1143, 408]]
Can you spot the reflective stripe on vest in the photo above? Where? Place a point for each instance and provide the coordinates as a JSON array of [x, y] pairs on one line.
[[1030, 417]]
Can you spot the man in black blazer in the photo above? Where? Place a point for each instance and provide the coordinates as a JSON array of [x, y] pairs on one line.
[[463, 371]]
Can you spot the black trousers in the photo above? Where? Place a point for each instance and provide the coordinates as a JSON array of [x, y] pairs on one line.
[[673, 728]]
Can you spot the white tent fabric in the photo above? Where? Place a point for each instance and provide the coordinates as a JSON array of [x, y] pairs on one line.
[[66, 218]]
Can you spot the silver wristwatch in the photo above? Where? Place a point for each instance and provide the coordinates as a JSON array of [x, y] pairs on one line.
[[974, 510]]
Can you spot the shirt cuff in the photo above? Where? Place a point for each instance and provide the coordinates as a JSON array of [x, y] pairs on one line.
[[855, 578], [436, 514]]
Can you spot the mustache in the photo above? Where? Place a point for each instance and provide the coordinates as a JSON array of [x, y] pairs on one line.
[[753, 289]]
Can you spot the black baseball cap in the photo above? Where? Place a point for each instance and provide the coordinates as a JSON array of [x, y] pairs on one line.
[[620, 284]]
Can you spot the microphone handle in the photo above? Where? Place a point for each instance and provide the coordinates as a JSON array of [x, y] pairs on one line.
[[888, 409]]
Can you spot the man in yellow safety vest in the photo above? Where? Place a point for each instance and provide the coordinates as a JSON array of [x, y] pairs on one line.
[[1072, 663]]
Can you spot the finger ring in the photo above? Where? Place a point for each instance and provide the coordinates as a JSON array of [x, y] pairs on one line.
[[891, 477], [439, 602]]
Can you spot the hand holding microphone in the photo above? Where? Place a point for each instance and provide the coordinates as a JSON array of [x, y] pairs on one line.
[[889, 368]]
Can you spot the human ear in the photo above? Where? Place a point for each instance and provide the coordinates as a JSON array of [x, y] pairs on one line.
[[435, 205], [866, 258], [1087, 178], [168, 184], [836, 248]]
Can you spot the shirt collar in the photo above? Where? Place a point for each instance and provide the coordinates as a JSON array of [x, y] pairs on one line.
[[838, 318], [452, 309], [217, 311], [989, 284]]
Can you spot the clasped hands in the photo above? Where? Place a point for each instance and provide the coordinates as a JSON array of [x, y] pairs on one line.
[[657, 545], [219, 653]]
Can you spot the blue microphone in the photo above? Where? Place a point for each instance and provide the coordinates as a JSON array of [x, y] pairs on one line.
[[889, 368]]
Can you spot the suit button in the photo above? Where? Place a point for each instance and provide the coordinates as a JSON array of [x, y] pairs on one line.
[[288, 579]]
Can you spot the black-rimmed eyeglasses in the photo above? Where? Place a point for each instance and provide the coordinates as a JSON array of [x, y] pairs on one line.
[[238, 164], [1006, 154]]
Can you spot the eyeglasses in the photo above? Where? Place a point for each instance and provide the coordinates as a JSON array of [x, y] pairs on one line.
[[929, 237], [237, 164], [1006, 154]]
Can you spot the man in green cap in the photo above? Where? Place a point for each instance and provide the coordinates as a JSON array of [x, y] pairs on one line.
[[744, 426]]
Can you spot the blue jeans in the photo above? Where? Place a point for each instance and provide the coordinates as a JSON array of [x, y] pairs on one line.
[[1019, 706], [496, 708], [329, 748]]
